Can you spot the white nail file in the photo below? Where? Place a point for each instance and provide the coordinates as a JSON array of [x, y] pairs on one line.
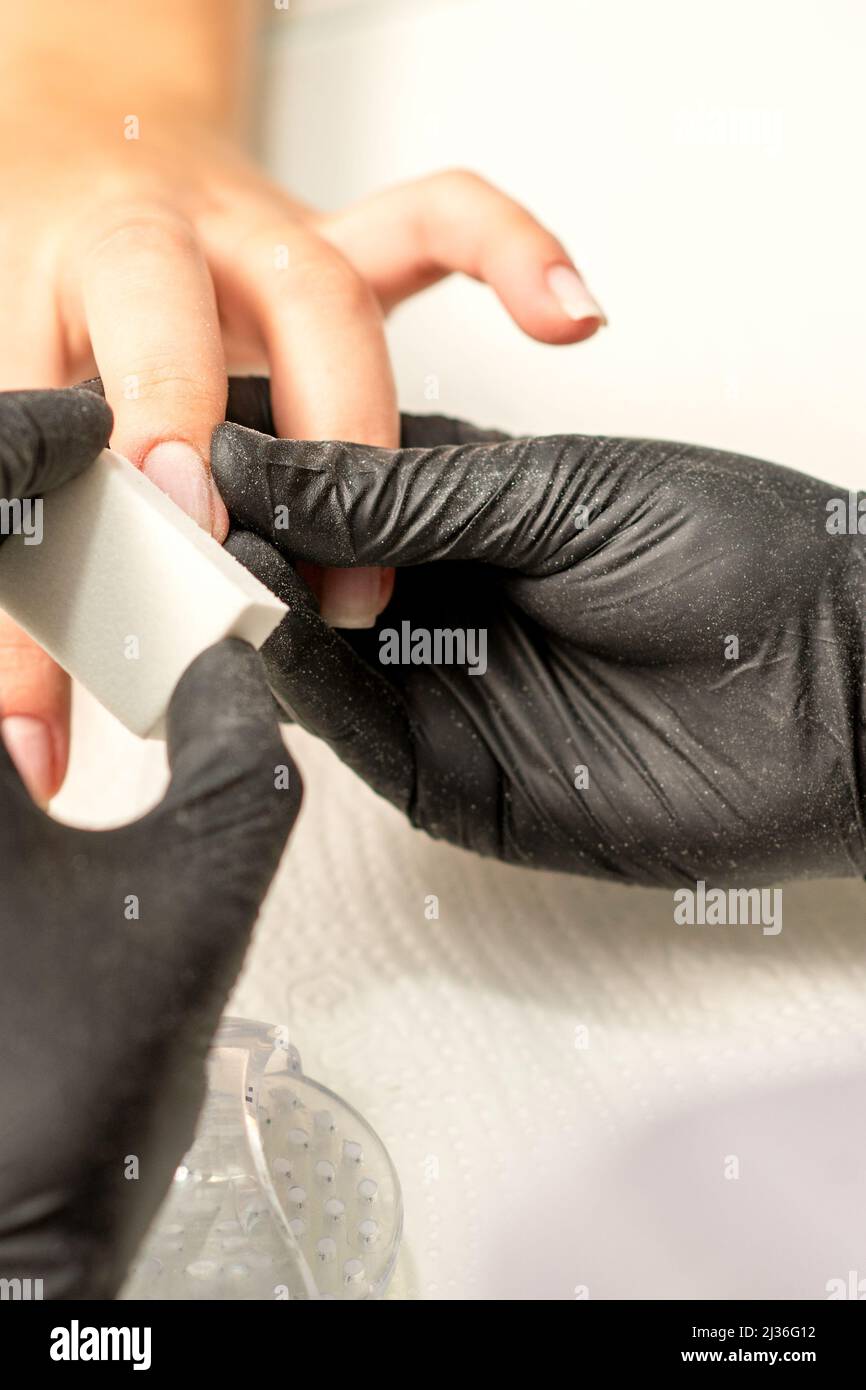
[[124, 590]]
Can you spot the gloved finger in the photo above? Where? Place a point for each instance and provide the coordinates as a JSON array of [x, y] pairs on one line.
[[235, 792], [511, 504], [47, 437], [325, 686]]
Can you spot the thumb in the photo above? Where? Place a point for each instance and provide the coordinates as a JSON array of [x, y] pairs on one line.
[[235, 792], [332, 503]]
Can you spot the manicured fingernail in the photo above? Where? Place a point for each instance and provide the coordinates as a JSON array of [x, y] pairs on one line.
[[30, 746], [351, 598], [574, 298], [179, 471]]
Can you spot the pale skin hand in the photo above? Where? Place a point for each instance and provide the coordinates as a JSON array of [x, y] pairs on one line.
[[165, 259]]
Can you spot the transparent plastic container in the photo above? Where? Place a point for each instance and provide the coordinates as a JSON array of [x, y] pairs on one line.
[[286, 1193]]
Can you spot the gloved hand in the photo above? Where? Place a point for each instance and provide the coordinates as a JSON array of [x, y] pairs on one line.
[[675, 644], [118, 949]]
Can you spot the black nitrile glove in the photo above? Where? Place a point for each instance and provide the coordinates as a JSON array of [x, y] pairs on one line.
[[675, 644], [118, 948]]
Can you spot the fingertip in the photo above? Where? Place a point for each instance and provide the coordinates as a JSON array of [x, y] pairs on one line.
[[572, 296], [270, 567], [237, 470], [548, 299], [221, 713], [30, 744], [34, 709], [222, 690], [224, 452], [559, 331], [71, 414], [557, 307], [351, 598], [231, 774]]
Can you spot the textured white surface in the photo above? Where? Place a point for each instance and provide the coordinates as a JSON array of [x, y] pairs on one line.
[[125, 590], [682, 160], [533, 1164]]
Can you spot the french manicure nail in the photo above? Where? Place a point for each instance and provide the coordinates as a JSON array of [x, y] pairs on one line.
[[574, 298], [29, 744], [179, 471], [351, 598]]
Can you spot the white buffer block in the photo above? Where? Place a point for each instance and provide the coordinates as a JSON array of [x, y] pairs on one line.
[[124, 590]]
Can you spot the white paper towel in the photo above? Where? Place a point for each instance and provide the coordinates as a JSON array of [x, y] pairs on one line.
[[539, 1160]]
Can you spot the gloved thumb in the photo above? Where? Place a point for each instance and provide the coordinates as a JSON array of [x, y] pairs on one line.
[[235, 792]]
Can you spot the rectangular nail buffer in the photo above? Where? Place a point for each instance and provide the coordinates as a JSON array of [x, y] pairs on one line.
[[124, 590]]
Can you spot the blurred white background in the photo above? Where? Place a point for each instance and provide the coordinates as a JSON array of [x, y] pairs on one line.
[[561, 1074], [702, 163]]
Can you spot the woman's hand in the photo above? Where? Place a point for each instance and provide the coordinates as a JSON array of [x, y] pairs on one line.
[[141, 244]]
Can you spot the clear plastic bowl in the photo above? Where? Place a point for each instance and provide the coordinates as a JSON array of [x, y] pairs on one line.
[[286, 1192]]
